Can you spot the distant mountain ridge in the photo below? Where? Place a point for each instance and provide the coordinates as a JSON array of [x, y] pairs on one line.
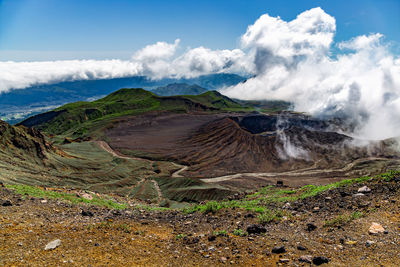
[[18, 104]]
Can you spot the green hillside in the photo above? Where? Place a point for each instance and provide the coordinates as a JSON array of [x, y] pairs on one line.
[[84, 118]]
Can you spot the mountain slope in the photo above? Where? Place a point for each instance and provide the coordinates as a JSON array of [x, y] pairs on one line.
[[80, 117], [23, 143], [15, 105]]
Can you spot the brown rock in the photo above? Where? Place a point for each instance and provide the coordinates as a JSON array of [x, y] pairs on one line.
[[376, 228]]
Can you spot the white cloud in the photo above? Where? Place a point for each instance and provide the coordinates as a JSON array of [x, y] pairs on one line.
[[202, 60], [157, 51], [16, 75], [291, 61]]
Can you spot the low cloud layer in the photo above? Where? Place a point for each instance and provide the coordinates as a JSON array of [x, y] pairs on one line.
[[155, 61], [288, 60]]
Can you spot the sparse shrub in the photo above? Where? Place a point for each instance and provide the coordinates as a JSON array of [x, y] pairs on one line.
[[239, 232], [220, 233], [124, 227], [389, 176], [344, 219], [267, 216], [179, 236], [211, 206]]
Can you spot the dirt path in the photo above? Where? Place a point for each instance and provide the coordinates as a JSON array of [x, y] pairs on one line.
[[177, 173], [159, 193], [107, 148], [303, 172]]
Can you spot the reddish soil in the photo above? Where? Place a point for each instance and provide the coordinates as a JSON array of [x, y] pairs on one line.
[[147, 238], [215, 145]]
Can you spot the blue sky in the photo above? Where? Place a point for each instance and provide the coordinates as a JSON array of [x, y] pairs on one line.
[[69, 29]]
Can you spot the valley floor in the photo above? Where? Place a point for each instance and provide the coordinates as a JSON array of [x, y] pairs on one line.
[[334, 224]]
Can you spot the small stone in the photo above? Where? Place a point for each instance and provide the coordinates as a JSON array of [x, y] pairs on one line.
[[43, 201], [350, 242], [328, 198], [206, 256], [87, 213], [278, 250], [211, 248], [369, 243], [286, 206], [86, 196], [223, 259], [306, 258], [256, 229], [299, 247], [376, 228], [211, 238], [320, 260], [358, 195], [283, 260], [6, 203], [53, 244], [311, 227], [20, 244], [364, 189]]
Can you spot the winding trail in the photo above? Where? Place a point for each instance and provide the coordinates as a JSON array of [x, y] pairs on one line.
[[302, 172], [177, 173], [310, 171], [106, 147]]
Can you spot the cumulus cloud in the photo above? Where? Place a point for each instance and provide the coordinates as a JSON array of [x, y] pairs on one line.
[[287, 60], [202, 60], [292, 61]]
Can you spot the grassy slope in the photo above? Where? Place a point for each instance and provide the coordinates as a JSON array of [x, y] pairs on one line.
[[81, 118]]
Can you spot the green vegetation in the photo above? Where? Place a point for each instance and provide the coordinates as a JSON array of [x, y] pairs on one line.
[[389, 176], [73, 198], [268, 216], [220, 233], [313, 190], [82, 119], [258, 202], [180, 236], [239, 232], [344, 219]]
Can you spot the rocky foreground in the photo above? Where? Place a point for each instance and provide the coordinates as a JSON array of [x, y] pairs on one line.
[[354, 225]]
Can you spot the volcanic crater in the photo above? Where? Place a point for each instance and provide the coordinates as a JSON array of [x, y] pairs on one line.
[[282, 145]]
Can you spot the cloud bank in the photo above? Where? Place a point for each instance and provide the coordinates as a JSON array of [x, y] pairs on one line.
[[292, 61], [155, 61], [287, 60]]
